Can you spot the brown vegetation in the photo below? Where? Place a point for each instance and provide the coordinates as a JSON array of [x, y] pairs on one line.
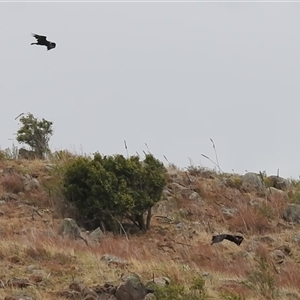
[[178, 246]]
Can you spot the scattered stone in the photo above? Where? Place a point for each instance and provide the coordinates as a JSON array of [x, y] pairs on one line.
[[152, 285], [252, 182], [86, 292], [31, 184], [278, 256], [18, 283], [27, 154], [112, 260], [228, 212], [31, 268], [74, 295], [194, 196], [292, 296], [69, 229], [165, 206], [296, 238], [275, 194], [150, 296], [106, 292], [292, 213], [131, 289], [285, 249], [9, 196], [278, 182], [97, 235], [166, 193]]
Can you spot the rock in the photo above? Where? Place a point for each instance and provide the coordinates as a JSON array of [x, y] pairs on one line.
[[296, 238], [97, 235], [31, 184], [86, 292], [252, 182], [291, 296], [27, 154], [166, 193], [278, 182], [165, 206], [184, 192], [285, 249], [292, 213], [69, 229], [275, 194], [174, 174], [49, 167], [228, 212], [112, 260], [151, 285], [194, 196], [105, 292], [278, 256], [131, 289], [150, 296], [18, 282], [32, 268], [9, 196]]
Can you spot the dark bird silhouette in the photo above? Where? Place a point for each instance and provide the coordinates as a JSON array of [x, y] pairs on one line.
[[237, 239], [42, 41]]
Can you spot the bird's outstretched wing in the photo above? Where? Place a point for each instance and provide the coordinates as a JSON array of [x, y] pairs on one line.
[[237, 239], [218, 238], [40, 38]]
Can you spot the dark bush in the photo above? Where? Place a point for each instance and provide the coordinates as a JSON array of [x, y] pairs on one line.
[[108, 189]]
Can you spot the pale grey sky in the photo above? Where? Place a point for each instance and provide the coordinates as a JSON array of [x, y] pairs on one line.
[[172, 75]]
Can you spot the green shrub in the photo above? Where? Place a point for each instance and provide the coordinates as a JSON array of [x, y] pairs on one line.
[[263, 279], [35, 133], [109, 189]]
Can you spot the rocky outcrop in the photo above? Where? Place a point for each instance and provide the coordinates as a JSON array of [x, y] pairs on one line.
[[252, 182], [97, 235], [278, 182], [131, 289], [273, 193], [68, 228], [292, 213], [27, 154]]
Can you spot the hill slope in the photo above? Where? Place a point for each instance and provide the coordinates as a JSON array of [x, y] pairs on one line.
[[196, 204]]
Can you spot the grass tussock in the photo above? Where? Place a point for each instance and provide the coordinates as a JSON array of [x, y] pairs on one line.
[[12, 183], [250, 220]]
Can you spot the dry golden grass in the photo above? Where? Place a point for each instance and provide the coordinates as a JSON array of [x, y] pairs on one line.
[[28, 231], [12, 183]]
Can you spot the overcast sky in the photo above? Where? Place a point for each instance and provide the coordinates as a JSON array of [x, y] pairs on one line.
[[172, 75]]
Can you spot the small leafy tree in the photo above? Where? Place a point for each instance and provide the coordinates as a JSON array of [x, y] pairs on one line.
[[35, 133], [110, 189]]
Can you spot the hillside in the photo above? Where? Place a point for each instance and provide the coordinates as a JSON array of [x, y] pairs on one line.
[[40, 263]]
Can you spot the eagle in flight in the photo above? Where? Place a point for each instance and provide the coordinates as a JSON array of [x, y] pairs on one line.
[[42, 41], [237, 239]]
